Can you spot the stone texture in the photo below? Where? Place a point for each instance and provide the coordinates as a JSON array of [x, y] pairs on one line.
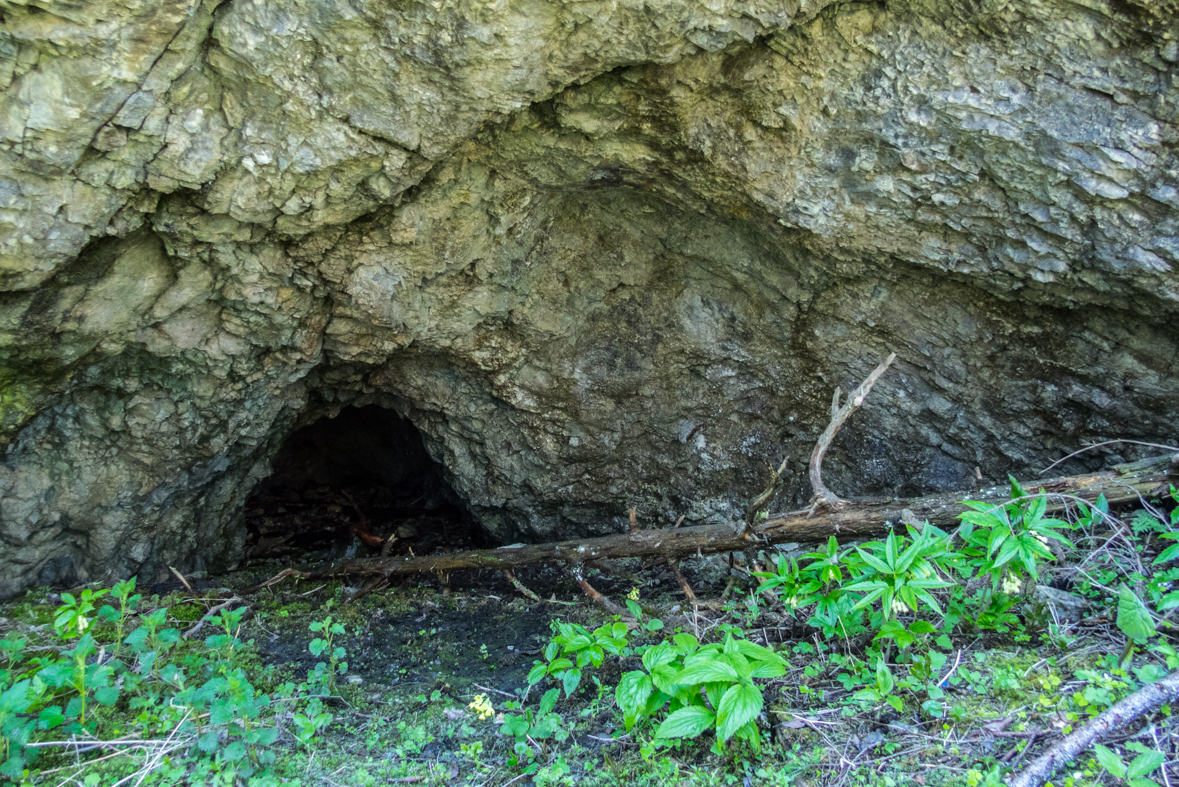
[[600, 254]]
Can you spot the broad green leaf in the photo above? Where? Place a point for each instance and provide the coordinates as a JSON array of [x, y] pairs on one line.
[[107, 696], [1144, 764], [1009, 549], [738, 706], [50, 717], [708, 671], [1170, 553], [659, 655], [866, 695], [234, 751], [884, 679], [549, 701], [537, 673], [686, 643], [921, 627], [570, 681], [874, 562], [686, 722], [633, 690], [1110, 761], [16, 699], [1133, 618], [768, 669]]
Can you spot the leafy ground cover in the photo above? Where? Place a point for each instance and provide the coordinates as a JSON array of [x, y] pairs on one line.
[[930, 657]]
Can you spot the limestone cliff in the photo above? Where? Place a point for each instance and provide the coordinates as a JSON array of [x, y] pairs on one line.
[[602, 254]]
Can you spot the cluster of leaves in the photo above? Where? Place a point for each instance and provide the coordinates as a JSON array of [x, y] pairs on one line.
[[574, 647], [147, 678], [692, 687], [868, 587], [705, 687]]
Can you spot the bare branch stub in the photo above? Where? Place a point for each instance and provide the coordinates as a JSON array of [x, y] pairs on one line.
[[839, 414], [597, 597], [762, 501]]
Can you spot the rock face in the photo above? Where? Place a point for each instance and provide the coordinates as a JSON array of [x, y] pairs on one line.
[[601, 254]]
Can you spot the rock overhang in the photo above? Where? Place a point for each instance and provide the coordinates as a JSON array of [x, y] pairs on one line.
[[628, 275]]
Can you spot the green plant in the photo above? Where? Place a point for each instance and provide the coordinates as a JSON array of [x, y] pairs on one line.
[[703, 687], [73, 616], [1010, 537], [324, 674], [309, 724], [124, 593], [881, 690], [540, 725], [900, 575], [1134, 620], [573, 647], [1135, 772], [820, 583]]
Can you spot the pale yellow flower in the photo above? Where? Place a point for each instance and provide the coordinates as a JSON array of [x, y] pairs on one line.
[[633, 595], [482, 707], [1011, 584]]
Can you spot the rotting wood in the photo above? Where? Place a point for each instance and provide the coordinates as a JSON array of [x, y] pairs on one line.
[[862, 518]]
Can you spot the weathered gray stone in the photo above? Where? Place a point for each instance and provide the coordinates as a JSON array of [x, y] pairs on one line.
[[601, 254]]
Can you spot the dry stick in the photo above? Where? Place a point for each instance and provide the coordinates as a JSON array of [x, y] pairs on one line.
[[183, 581], [1120, 714], [760, 502], [674, 565], [274, 580], [376, 584], [213, 611], [598, 598], [866, 518], [518, 585], [855, 400], [1094, 446]]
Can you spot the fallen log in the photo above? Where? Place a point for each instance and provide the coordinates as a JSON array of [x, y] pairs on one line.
[[862, 518], [1148, 698]]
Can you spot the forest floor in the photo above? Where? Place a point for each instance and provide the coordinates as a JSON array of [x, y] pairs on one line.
[[417, 680]]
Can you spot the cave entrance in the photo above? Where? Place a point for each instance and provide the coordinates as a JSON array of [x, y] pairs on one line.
[[359, 484]]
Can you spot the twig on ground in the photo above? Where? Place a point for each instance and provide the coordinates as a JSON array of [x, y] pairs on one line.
[[762, 501], [212, 611], [494, 691], [183, 581], [839, 414], [674, 565], [376, 584], [518, 585], [277, 578], [1146, 699], [598, 598]]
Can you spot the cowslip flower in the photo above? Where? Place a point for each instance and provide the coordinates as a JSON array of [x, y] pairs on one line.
[[482, 707]]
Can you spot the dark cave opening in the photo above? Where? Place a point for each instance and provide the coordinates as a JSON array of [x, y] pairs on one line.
[[360, 484]]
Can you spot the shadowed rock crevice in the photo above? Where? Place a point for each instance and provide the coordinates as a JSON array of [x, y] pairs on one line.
[[366, 473]]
